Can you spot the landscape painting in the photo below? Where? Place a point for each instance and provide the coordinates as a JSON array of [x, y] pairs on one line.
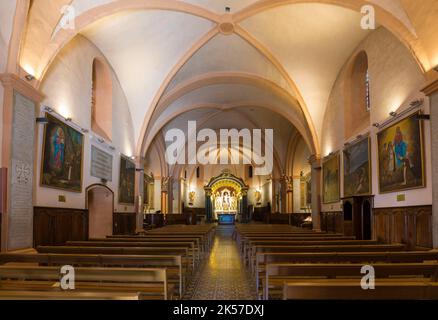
[[357, 169], [62, 156], [401, 162], [331, 186], [127, 181]]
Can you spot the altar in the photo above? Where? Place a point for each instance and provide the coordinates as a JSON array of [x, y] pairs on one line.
[[226, 197], [226, 219]]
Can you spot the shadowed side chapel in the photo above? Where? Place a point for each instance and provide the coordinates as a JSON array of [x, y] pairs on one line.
[[219, 150]]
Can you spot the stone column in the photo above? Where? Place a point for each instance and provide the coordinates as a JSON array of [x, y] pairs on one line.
[[432, 91], [18, 161], [245, 213], [165, 195], [274, 196], [208, 206], [315, 163], [139, 193]]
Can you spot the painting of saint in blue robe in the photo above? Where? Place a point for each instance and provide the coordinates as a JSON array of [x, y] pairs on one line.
[[401, 162], [62, 156]]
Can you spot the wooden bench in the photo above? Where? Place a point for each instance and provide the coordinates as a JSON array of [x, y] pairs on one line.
[[187, 261], [347, 290], [151, 283], [173, 263], [192, 252], [322, 248], [65, 295], [195, 240], [306, 242], [264, 258], [279, 273]]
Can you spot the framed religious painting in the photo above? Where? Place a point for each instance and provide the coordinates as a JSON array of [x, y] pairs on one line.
[[401, 156], [62, 156], [331, 177], [357, 169], [126, 181]]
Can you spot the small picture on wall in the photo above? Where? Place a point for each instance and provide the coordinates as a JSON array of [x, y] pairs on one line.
[[62, 156], [357, 169], [401, 161], [331, 186], [127, 181]]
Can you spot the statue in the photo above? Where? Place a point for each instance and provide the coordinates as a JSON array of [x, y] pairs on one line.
[[192, 195]]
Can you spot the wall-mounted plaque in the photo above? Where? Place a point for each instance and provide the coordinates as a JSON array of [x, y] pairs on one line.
[[101, 164]]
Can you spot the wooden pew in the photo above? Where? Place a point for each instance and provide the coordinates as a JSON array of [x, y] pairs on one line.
[[172, 263], [322, 248], [250, 243], [139, 244], [264, 258], [279, 273], [151, 283], [195, 240], [187, 260], [343, 290], [66, 295]]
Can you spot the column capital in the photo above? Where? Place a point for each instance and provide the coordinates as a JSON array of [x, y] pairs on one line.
[[11, 81], [431, 88], [315, 161]]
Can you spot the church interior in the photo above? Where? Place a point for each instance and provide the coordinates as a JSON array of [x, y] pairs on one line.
[[218, 150]]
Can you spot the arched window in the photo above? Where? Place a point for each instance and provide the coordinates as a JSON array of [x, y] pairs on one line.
[[102, 104], [357, 103]]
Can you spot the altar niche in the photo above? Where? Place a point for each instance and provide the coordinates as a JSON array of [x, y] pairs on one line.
[[226, 199]]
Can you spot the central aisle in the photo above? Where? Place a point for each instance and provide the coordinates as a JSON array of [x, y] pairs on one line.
[[223, 276]]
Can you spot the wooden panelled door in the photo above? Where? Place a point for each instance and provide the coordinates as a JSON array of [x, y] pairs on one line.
[[100, 204]]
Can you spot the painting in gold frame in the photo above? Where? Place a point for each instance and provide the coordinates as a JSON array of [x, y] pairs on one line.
[[331, 185], [401, 156], [357, 169], [126, 181], [62, 156]]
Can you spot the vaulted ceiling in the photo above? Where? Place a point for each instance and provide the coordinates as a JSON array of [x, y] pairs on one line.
[[173, 57]]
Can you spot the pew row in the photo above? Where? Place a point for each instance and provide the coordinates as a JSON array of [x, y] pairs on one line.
[[151, 283]]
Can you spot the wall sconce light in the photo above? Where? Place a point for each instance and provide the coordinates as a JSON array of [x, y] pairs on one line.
[[376, 125], [29, 77], [42, 120], [48, 109], [85, 130], [227, 9], [68, 119], [393, 114], [100, 140], [132, 158]]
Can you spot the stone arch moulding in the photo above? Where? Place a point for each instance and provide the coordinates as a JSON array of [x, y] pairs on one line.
[[230, 78], [384, 17]]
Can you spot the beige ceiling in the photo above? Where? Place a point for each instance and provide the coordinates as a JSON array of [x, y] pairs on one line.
[[298, 46]]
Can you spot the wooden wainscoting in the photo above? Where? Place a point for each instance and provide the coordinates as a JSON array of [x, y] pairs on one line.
[[409, 225], [332, 222], [55, 226], [125, 223]]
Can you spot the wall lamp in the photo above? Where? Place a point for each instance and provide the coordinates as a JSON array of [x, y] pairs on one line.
[[377, 125], [68, 119], [42, 120], [228, 9], [29, 77], [48, 109], [393, 114]]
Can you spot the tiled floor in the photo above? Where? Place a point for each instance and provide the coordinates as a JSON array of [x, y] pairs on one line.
[[223, 276]]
